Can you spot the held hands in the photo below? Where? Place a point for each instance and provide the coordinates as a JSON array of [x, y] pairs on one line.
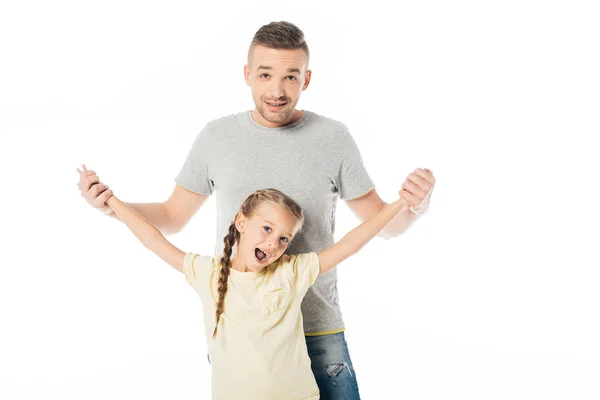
[[416, 190], [93, 191]]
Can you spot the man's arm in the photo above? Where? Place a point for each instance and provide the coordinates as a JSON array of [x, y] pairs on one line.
[[416, 190], [368, 205], [172, 215], [169, 216]]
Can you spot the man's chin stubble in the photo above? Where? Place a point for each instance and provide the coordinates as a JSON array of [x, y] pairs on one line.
[[268, 116]]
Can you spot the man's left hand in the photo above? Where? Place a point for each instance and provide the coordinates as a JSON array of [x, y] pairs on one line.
[[416, 190]]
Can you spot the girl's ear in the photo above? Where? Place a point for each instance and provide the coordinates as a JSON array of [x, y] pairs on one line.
[[240, 222]]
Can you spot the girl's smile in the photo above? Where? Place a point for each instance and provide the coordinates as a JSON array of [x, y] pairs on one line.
[[264, 237]]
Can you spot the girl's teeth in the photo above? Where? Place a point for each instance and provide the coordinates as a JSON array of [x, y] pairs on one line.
[[265, 254]]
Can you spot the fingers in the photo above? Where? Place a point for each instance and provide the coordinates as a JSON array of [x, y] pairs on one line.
[[414, 189], [410, 198], [426, 175], [85, 170], [100, 202], [85, 183], [98, 188], [417, 187], [423, 180], [87, 179]]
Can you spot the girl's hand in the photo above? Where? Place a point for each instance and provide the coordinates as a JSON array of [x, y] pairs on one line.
[[93, 191]]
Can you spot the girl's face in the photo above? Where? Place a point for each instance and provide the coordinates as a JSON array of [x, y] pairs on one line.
[[264, 236]]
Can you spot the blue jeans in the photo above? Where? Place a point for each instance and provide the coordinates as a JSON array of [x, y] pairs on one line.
[[332, 367]]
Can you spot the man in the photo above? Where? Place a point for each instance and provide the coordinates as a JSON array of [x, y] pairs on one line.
[[311, 158]]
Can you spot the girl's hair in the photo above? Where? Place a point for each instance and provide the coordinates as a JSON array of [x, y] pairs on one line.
[[248, 208]]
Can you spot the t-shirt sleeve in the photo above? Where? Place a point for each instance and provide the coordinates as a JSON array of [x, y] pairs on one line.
[[306, 269], [196, 269], [353, 180], [194, 174]]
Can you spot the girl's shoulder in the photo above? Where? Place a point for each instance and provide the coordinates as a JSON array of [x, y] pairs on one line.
[[303, 266], [296, 259], [196, 267]]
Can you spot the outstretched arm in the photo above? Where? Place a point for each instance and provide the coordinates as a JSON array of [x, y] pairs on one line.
[[170, 216], [416, 190], [359, 236], [147, 233]]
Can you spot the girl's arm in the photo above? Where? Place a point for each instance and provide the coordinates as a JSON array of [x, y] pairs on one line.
[[147, 233], [359, 236]]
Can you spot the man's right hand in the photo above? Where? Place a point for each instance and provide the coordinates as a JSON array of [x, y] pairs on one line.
[[93, 191]]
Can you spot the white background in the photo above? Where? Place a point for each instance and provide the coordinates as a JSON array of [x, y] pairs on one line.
[[493, 295]]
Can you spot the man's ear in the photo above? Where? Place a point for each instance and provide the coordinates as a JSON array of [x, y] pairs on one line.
[[247, 75], [240, 222], [307, 77]]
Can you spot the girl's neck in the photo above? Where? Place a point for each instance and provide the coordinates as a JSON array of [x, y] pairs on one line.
[[238, 265]]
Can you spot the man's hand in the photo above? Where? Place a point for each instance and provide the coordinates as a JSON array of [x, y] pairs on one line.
[[93, 191], [416, 190]]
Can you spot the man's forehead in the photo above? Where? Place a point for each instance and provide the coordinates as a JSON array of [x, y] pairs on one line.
[[278, 59]]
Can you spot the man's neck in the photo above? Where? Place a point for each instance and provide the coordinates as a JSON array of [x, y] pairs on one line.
[[295, 117]]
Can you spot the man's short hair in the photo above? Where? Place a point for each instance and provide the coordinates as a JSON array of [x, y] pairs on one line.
[[281, 35]]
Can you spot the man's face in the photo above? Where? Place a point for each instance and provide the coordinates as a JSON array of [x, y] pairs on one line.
[[277, 78]]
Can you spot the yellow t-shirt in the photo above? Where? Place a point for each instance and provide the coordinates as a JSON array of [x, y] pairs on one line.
[[260, 350]]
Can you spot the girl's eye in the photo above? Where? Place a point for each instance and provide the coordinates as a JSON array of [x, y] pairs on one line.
[[284, 239], [268, 229]]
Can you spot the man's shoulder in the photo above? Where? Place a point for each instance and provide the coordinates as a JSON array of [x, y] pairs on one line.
[[216, 129], [225, 122], [328, 128], [330, 123]]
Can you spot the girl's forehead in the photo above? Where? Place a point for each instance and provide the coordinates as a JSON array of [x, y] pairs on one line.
[[275, 215]]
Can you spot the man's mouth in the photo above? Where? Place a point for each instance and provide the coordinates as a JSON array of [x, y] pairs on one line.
[[261, 255], [276, 104]]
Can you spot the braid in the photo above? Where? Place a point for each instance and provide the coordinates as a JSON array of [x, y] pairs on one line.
[[229, 240]]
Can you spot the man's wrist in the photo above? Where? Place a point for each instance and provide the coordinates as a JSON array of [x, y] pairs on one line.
[[108, 211], [422, 208]]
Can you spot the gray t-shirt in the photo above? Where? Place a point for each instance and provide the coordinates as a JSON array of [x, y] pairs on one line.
[[313, 161]]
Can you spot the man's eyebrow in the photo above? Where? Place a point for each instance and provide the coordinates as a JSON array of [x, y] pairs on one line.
[[269, 222], [290, 70]]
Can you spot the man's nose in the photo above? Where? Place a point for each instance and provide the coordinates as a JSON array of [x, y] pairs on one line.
[[277, 90]]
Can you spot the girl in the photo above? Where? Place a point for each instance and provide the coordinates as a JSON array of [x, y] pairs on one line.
[[251, 300]]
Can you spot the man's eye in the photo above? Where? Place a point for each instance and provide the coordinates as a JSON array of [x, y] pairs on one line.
[[264, 76], [284, 239], [268, 229], [292, 78]]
